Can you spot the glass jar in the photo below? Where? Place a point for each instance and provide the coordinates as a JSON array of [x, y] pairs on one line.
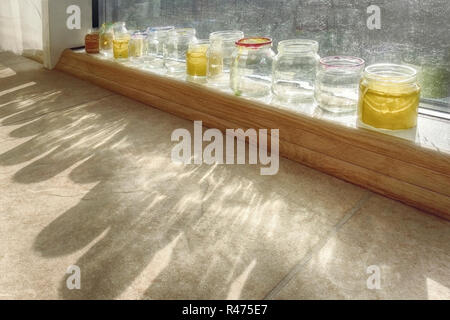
[[337, 85], [222, 45], [121, 41], [157, 38], [106, 39], [92, 41], [175, 49], [137, 45], [389, 96], [294, 70], [196, 60], [251, 67]]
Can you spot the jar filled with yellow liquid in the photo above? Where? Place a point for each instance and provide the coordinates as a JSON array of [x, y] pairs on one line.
[[121, 41], [196, 59], [106, 39], [389, 97], [137, 45]]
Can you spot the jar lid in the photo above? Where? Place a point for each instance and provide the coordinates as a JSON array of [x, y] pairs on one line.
[[254, 42]]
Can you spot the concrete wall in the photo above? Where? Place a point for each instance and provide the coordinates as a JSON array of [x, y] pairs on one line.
[[57, 36]]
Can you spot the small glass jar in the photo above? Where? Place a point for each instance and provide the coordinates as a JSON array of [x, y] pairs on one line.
[[137, 45], [222, 45], [92, 41], [175, 49], [197, 60], [389, 96], [294, 70], [121, 41], [337, 85], [157, 38], [251, 67], [106, 40]]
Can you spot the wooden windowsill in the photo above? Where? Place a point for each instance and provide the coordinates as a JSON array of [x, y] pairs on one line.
[[414, 169]]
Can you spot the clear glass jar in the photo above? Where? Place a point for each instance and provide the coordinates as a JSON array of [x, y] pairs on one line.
[[337, 85], [157, 38], [106, 39], [175, 49], [251, 67], [294, 70], [222, 45], [389, 96], [137, 45], [197, 60], [121, 41]]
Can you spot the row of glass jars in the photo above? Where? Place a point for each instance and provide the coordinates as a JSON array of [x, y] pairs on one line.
[[386, 96]]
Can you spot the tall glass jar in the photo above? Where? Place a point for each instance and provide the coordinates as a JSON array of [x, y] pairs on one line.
[[175, 49], [121, 41], [137, 45], [251, 67], [222, 45], [337, 85], [294, 70], [389, 97], [157, 38], [106, 39], [197, 60]]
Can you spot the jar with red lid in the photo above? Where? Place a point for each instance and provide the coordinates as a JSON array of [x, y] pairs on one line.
[[251, 67]]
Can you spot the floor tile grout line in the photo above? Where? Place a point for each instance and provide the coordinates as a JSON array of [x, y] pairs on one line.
[[54, 111], [316, 248]]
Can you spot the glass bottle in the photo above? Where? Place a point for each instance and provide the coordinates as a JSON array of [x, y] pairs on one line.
[[121, 41], [389, 97], [337, 85], [294, 70], [222, 45], [92, 41], [197, 60], [251, 67], [175, 49], [106, 39]]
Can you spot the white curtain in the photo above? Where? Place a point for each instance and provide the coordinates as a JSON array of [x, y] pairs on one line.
[[21, 26]]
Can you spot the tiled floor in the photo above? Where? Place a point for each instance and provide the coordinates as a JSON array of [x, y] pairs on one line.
[[87, 180]]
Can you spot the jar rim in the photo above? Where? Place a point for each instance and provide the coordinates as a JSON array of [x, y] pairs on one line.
[[158, 29], [389, 72], [254, 42], [342, 62], [299, 45], [183, 31], [230, 35]]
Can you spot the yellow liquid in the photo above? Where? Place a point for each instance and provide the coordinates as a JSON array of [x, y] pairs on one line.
[[215, 64], [137, 47], [196, 61], [106, 41], [392, 107], [120, 48]]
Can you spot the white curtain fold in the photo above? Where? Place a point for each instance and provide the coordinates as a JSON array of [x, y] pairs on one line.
[[21, 26]]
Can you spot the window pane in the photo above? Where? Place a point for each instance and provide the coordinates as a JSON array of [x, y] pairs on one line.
[[414, 32]]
